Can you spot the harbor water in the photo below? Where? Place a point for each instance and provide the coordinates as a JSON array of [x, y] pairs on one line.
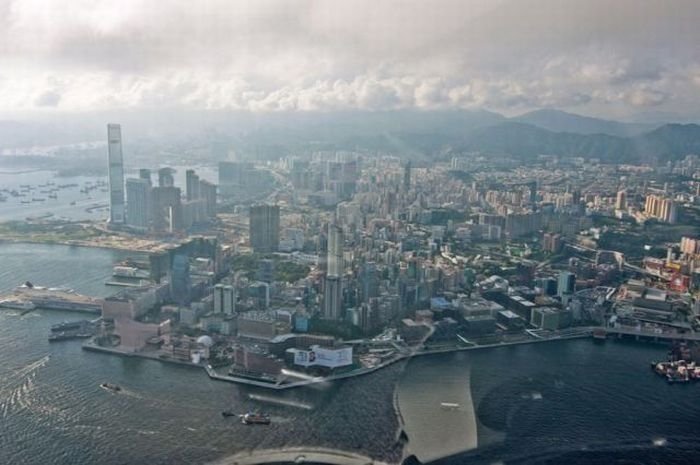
[[560, 402]]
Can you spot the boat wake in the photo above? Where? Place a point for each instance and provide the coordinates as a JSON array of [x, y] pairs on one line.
[[18, 386]]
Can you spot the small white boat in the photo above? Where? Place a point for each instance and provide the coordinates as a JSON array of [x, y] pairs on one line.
[[449, 405]]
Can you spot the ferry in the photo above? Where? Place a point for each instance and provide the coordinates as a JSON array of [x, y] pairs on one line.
[[255, 419]]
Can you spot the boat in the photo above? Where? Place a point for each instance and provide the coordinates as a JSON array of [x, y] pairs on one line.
[[228, 413], [449, 405], [17, 304], [255, 419], [120, 271], [111, 387], [678, 371]]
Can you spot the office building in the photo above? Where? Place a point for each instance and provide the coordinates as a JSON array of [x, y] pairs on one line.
[[621, 201], [335, 250], [191, 186], [180, 284], [207, 192], [332, 298], [369, 281], [407, 176], [138, 202], [165, 177], [145, 174], [116, 174], [566, 283], [166, 209], [264, 228], [224, 299]]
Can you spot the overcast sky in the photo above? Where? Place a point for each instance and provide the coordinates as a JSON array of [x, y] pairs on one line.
[[612, 58]]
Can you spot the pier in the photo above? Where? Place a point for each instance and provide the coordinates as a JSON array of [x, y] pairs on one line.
[[642, 335]]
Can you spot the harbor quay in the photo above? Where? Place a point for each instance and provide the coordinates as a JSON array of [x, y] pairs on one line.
[[295, 380]]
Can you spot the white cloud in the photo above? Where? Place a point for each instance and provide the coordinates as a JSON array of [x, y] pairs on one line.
[[307, 55]]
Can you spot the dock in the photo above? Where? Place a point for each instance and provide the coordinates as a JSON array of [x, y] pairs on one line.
[[55, 299]]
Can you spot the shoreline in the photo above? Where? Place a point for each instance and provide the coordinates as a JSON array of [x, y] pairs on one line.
[[212, 374]]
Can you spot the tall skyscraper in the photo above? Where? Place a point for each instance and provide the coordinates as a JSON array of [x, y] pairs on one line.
[[407, 176], [621, 200], [332, 297], [180, 283], [567, 284], [138, 202], [532, 187], [116, 174], [335, 250], [207, 191], [264, 228], [192, 185]]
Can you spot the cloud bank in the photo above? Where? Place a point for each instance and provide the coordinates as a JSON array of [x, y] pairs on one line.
[[609, 58]]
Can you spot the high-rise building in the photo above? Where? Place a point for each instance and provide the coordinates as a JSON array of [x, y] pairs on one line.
[[138, 202], [166, 208], [369, 281], [207, 192], [621, 200], [165, 177], [192, 185], [532, 187], [264, 228], [180, 284], [229, 300], [224, 299], [219, 298], [335, 250], [332, 298], [661, 208], [145, 174], [566, 284], [116, 174], [407, 176]]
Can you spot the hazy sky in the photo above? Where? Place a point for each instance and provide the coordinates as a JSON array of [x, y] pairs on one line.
[[604, 57]]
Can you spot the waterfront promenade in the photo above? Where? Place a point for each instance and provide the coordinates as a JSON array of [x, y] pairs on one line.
[[281, 384]]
